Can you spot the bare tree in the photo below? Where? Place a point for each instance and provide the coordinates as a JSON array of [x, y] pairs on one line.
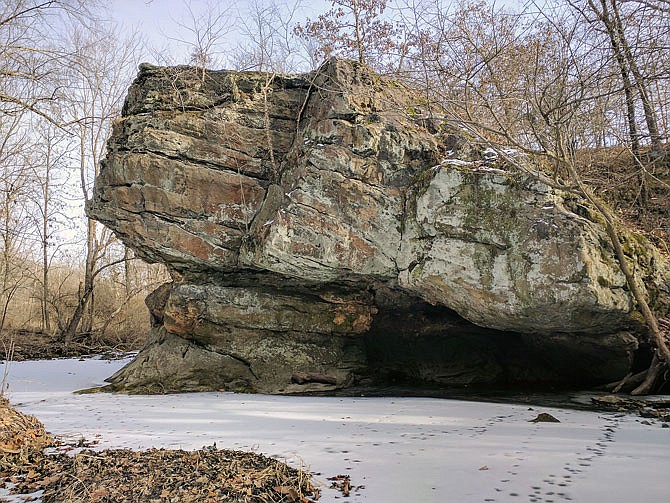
[[632, 30], [352, 28], [28, 57], [15, 185], [204, 31], [269, 42], [58, 94], [99, 74], [49, 161]]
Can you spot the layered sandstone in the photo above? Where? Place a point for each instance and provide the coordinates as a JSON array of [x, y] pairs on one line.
[[322, 225]]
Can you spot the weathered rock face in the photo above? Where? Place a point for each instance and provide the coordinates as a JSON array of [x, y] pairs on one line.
[[316, 224]]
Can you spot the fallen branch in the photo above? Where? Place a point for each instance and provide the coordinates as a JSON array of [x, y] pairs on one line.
[[654, 371], [628, 382], [309, 377]]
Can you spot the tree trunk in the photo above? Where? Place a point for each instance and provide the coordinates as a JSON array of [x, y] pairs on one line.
[[126, 269], [640, 81], [72, 325], [662, 355], [619, 44], [358, 34], [86, 292], [615, 43], [651, 377], [46, 325]]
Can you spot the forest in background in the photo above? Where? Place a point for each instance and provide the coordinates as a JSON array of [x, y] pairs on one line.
[[581, 86]]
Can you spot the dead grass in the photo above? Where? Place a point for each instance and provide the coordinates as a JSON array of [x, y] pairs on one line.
[[21, 436], [613, 173]]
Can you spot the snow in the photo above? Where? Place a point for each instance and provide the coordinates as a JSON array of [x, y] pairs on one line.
[[472, 164], [457, 162], [400, 449], [491, 170], [490, 154]]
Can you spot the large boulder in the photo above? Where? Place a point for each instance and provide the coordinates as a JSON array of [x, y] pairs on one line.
[[322, 231]]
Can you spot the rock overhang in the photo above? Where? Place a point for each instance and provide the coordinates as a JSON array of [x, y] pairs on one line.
[[255, 189]]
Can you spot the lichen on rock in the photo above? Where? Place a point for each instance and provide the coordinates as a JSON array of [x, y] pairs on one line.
[[315, 225]]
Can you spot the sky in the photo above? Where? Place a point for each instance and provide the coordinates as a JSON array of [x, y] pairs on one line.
[[158, 21]]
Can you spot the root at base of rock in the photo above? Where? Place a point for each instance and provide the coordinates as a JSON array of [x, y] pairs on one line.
[[642, 383], [654, 378]]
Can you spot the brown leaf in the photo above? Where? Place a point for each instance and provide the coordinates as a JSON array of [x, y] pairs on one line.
[[289, 491], [99, 494], [49, 480]]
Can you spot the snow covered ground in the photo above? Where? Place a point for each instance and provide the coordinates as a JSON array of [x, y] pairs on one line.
[[399, 449]]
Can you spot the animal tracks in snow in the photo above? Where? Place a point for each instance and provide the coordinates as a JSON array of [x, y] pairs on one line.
[[550, 459], [401, 449]]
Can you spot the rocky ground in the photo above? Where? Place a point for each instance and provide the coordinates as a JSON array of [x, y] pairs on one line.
[[654, 409], [76, 474]]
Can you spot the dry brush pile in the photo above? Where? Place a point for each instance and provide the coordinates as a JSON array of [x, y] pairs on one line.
[[205, 475]]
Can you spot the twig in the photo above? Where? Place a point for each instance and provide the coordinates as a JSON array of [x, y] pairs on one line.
[[9, 358]]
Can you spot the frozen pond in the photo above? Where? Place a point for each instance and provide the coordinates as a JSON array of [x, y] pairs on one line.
[[399, 449]]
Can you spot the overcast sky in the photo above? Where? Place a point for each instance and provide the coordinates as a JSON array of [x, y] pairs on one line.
[[158, 20]]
